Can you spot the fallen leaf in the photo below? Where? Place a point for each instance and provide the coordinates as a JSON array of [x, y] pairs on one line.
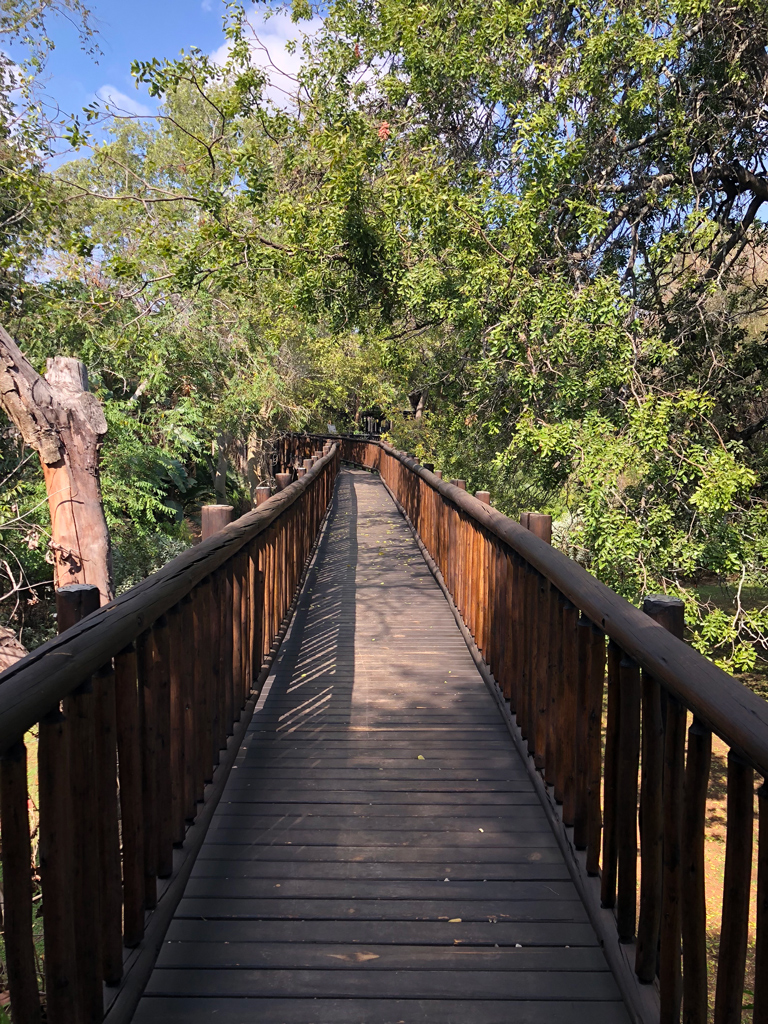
[[455, 920], [422, 758]]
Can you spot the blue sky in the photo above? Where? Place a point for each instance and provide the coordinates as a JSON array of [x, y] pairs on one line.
[[142, 29]]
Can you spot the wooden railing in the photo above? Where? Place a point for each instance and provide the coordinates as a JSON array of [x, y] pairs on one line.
[[133, 707], [554, 639]]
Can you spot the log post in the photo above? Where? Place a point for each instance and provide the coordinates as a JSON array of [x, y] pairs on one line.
[[215, 518]]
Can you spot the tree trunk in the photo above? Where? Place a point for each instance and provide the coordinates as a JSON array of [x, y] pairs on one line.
[[58, 417], [222, 465]]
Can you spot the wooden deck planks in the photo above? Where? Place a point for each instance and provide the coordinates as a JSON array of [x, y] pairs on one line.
[[379, 855]]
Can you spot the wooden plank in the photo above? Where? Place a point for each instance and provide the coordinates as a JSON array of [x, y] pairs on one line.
[[379, 836], [372, 1011], [373, 957], [446, 909], [277, 869], [427, 933], [251, 826], [377, 797], [380, 889], [375, 853], [354, 837], [347, 984]]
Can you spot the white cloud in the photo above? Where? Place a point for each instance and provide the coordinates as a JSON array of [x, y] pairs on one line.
[[121, 103], [268, 44]]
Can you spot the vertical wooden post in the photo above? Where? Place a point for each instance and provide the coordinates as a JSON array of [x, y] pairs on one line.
[[670, 613], [215, 518], [17, 887], [626, 817], [108, 825], [179, 650], [568, 711], [145, 656], [162, 670], [553, 773], [72, 604], [594, 694], [652, 834], [738, 870], [55, 852], [131, 809], [190, 709], [610, 783], [582, 728], [695, 984], [262, 493], [542, 677]]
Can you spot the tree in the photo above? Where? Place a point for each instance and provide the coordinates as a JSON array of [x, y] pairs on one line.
[[58, 417]]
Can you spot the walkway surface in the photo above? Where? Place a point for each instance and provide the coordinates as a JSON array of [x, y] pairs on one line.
[[379, 855]]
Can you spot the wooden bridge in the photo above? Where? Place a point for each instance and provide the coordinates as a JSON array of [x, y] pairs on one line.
[[374, 753]]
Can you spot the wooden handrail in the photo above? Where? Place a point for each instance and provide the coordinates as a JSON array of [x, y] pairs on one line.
[[552, 636], [136, 703], [30, 688], [731, 710]]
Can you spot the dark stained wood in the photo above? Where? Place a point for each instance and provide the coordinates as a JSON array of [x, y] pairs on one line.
[[372, 1011], [72, 604], [610, 781], [626, 815], [652, 832], [17, 886], [111, 895], [148, 684], [730, 709], [131, 809], [738, 867], [34, 685], [378, 799], [694, 928], [594, 708], [583, 631], [55, 853]]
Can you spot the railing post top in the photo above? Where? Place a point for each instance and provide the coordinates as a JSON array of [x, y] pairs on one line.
[[214, 518], [539, 524], [668, 611], [484, 496], [74, 602], [262, 493]]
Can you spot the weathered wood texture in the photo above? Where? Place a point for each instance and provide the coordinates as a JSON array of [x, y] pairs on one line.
[[152, 684], [379, 853], [558, 618]]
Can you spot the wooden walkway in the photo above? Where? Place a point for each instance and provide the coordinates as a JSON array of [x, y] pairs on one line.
[[379, 855]]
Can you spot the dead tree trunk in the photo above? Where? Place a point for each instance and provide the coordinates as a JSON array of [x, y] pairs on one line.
[[58, 417]]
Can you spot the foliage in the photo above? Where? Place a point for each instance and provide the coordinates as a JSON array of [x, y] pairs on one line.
[[543, 221]]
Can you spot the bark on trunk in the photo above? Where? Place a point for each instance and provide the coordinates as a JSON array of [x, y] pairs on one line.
[[64, 422], [222, 465]]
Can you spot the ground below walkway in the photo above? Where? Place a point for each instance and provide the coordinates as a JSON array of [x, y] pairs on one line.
[[379, 855]]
